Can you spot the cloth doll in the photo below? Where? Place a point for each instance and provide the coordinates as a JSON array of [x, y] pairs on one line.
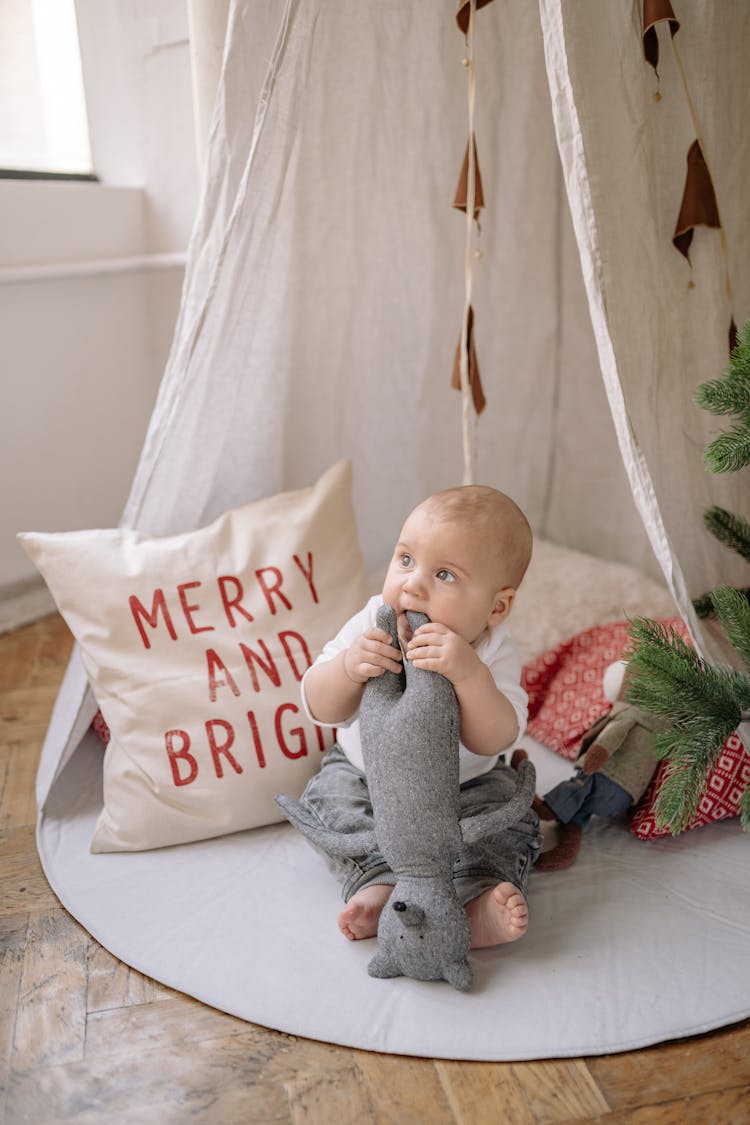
[[613, 772]]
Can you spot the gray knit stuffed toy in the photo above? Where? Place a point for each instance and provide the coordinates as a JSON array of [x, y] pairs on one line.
[[409, 726]]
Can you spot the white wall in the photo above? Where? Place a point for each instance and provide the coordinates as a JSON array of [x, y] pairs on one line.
[[83, 350]]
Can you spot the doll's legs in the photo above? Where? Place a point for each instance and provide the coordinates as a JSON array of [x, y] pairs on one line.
[[572, 803], [584, 795]]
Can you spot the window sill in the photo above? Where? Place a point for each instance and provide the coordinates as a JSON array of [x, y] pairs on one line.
[[29, 174]]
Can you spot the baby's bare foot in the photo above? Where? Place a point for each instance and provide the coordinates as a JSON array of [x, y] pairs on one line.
[[359, 918], [499, 915]]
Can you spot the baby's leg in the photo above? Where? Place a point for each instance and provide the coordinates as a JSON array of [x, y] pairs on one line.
[[491, 874], [359, 918], [498, 915], [337, 798]]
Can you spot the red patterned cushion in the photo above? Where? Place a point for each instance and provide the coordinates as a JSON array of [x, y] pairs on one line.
[[730, 777], [564, 686], [100, 727]]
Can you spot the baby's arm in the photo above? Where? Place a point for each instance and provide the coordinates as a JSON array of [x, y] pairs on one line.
[[489, 722], [333, 689]]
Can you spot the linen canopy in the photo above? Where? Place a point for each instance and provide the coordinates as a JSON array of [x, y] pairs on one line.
[[324, 285]]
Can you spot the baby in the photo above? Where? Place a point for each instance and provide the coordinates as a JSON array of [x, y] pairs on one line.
[[459, 559]]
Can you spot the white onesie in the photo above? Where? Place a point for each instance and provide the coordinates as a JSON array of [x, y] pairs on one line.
[[495, 648]]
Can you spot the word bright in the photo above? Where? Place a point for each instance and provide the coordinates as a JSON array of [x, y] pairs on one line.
[[220, 738]]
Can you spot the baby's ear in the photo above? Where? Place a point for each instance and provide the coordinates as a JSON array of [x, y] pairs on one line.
[[501, 605]]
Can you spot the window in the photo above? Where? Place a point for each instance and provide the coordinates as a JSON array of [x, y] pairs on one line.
[[43, 127]]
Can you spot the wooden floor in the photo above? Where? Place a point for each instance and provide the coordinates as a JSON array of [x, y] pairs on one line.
[[84, 1039]]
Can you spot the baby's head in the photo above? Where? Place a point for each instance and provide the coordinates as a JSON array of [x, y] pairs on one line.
[[460, 558]]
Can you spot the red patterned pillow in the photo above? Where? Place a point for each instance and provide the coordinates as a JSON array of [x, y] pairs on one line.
[[564, 686], [731, 775], [100, 727]]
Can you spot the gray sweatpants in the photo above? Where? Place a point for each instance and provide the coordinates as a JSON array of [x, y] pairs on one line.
[[338, 797]]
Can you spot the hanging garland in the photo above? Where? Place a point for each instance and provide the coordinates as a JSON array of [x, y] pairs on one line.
[[469, 198], [699, 206]]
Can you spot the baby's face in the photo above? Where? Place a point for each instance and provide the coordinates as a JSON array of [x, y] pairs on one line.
[[440, 568]]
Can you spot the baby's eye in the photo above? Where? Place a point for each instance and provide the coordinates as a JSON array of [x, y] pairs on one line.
[[445, 576], [406, 561]]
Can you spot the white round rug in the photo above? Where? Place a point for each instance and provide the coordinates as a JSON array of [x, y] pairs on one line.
[[635, 944]]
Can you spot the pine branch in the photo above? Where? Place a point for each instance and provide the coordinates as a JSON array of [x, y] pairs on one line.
[[679, 794], [745, 810], [684, 782], [733, 612], [739, 358], [729, 394], [668, 678], [660, 668], [676, 803], [704, 607], [730, 451], [733, 531], [690, 745], [693, 758]]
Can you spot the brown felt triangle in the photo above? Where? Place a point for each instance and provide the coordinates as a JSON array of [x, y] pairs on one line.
[[460, 201], [656, 11], [698, 206], [462, 15], [475, 379]]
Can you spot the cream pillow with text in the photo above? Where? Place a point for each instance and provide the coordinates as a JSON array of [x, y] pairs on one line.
[[195, 645]]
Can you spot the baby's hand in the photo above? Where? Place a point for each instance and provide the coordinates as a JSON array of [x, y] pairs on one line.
[[438, 649], [371, 655]]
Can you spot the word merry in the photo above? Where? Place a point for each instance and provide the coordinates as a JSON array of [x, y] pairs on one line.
[[269, 579], [220, 737]]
